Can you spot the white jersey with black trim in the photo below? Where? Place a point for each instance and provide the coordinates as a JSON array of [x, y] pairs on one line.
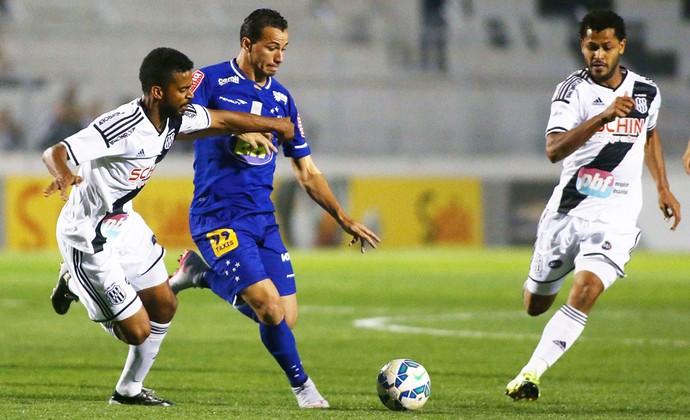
[[602, 180], [116, 155]]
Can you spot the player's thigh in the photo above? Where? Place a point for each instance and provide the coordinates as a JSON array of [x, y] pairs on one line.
[[554, 254]]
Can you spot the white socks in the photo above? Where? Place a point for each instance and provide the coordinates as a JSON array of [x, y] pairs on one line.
[[139, 361], [559, 335]]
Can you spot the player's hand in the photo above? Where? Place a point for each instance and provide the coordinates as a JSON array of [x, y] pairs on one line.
[[256, 140], [62, 184], [670, 207], [619, 108], [285, 129], [360, 233]]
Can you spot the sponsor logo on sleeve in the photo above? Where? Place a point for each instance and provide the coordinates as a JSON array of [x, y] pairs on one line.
[[197, 77]]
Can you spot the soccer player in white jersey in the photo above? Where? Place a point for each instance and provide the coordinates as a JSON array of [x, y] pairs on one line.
[[603, 126], [112, 262]]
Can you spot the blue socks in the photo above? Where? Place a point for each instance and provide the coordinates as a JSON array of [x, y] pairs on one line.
[[280, 342]]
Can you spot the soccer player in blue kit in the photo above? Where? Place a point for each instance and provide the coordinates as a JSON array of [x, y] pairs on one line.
[[232, 216]]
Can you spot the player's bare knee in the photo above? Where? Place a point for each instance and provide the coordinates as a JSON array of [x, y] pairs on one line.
[[268, 310], [134, 335]]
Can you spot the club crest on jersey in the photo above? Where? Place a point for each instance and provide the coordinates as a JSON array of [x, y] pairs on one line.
[[606, 246], [641, 104], [595, 182], [115, 294], [169, 139]]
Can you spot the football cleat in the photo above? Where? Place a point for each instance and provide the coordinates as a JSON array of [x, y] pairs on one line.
[[62, 297], [145, 397], [525, 386], [190, 273], [308, 396]]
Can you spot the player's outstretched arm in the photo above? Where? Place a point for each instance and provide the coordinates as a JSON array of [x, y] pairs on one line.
[[55, 159], [314, 183], [232, 122], [654, 159]]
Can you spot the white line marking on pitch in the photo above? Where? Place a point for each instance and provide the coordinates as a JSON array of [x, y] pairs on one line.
[[398, 325]]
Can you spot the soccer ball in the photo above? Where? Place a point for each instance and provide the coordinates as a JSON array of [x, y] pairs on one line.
[[403, 384]]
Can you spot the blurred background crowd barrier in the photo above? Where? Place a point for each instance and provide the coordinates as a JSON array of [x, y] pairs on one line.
[[427, 116]]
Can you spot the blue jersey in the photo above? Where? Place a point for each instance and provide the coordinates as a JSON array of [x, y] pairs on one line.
[[227, 173]]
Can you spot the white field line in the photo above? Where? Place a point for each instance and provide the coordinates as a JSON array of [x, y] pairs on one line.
[[401, 324]]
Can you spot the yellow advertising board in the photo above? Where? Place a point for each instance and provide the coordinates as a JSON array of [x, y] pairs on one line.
[[408, 212], [405, 212], [31, 218]]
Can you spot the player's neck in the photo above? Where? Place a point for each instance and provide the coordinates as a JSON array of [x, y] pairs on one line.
[[245, 66], [152, 112]]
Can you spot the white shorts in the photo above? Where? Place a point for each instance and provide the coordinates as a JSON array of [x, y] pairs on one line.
[[107, 282], [566, 243]]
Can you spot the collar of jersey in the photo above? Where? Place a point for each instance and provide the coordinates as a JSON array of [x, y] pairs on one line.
[[236, 69]]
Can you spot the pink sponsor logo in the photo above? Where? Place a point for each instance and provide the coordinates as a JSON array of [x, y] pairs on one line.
[[595, 182]]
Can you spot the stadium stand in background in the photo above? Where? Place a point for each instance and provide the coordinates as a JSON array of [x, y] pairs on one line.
[[356, 65]]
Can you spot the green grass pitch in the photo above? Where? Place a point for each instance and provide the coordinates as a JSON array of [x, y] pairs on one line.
[[456, 311]]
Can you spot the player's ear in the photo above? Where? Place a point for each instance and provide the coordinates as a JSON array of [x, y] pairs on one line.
[[157, 92], [621, 48], [246, 44]]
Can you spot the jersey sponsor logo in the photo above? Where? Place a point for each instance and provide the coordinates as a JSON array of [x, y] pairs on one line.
[[115, 294], [598, 102], [232, 79], [222, 241], [108, 117], [595, 182], [555, 264], [233, 101], [606, 246], [141, 174], [197, 77], [111, 226], [624, 129], [243, 151], [280, 97], [121, 136]]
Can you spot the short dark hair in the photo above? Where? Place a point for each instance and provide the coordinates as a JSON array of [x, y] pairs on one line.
[[599, 20], [254, 24], [159, 65]]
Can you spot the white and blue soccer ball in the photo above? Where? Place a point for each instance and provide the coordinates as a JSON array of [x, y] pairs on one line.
[[403, 384]]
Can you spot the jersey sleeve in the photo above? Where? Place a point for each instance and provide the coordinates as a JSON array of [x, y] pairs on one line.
[[200, 88], [103, 137], [564, 110], [654, 111], [298, 147], [195, 118]]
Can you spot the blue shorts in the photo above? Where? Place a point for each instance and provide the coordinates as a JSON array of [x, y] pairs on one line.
[[242, 250]]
